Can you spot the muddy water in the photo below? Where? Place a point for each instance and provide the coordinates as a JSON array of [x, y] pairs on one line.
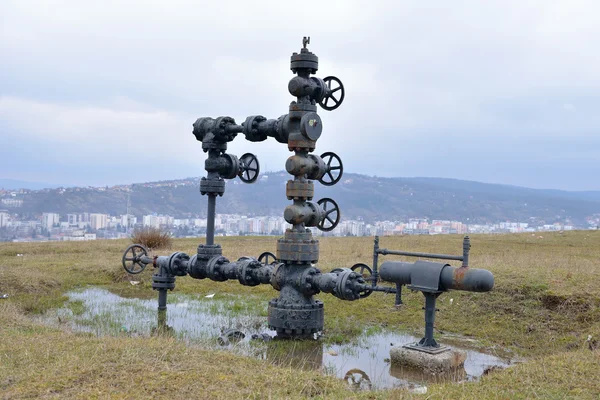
[[217, 322]]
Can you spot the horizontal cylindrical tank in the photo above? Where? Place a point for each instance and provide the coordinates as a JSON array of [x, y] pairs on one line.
[[463, 278]]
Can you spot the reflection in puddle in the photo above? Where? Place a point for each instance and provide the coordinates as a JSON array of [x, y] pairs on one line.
[[232, 321]]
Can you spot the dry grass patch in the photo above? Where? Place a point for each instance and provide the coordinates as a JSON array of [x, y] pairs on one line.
[[152, 238], [545, 304]]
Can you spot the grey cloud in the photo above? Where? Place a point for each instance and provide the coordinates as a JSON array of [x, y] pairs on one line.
[[513, 82]]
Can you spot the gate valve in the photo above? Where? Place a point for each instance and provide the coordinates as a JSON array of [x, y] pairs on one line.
[[319, 90], [307, 213], [327, 169], [324, 214], [229, 166], [226, 165]]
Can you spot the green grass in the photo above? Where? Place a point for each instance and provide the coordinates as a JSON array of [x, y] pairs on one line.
[[545, 303]]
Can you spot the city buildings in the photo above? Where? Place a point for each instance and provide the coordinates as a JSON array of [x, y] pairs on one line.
[[49, 220], [98, 221], [92, 226]]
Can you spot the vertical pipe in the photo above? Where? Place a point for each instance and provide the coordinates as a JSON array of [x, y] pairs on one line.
[[162, 321], [375, 275], [162, 299], [428, 340], [210, 223], [466, 250]]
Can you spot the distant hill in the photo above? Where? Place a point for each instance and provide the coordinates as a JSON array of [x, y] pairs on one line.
[[371, 198], [13, 184]]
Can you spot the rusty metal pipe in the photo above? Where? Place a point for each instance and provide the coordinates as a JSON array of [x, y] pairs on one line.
[[463, 278]]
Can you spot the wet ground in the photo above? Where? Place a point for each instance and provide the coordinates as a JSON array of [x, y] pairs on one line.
[[227, 321]]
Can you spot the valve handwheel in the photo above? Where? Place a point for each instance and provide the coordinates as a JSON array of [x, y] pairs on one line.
[[333, 86], [365, 271], [267, 258], [249, 168], [328, 223], [334, 163], [133, 264]]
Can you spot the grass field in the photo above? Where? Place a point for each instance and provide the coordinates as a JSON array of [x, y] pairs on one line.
[[545, 304]]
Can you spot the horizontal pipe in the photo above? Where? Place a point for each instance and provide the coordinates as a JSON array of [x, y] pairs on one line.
[[463, 278], [146, 260], [424, 255]]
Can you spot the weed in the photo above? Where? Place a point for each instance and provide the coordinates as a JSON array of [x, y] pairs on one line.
[[152, 238]]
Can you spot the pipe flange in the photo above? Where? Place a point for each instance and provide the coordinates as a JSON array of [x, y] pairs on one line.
[[212, 186], [163, 282], [178, 264], [212, 145], [299, 108], [213, 268], [294, 252], [298, 236], [246, 277], [251, 130], [296, 320], [345, 281], [277, 279], [208, 251], [304, 60], [305, 282], [297, 190], [281, 128], [222, 134]]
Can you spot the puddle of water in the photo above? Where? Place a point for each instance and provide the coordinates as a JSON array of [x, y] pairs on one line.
[[363, 362], [188, 318]]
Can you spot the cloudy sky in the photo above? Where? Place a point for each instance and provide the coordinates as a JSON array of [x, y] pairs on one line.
[[105, 92]]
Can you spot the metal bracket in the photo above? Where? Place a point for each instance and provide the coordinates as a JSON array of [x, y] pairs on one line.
[[426, 277]]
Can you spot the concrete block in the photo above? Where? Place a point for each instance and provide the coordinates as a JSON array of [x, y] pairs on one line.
[[435, 364]]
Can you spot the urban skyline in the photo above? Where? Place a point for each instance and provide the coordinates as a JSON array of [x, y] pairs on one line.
[[92, 226]]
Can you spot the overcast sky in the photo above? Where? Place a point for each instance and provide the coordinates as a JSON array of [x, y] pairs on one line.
[[105, 92]]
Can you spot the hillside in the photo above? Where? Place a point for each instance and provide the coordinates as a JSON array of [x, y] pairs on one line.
[[371, 198]]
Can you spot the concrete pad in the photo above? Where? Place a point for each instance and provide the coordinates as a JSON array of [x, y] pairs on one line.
[[434, 364]]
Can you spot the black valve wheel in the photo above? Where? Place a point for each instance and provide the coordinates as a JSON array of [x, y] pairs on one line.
[[334, 85], [367, 273], [331, 214], [132, 259], [249, 168], [335, 169], [267, 258], [364, 270]]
